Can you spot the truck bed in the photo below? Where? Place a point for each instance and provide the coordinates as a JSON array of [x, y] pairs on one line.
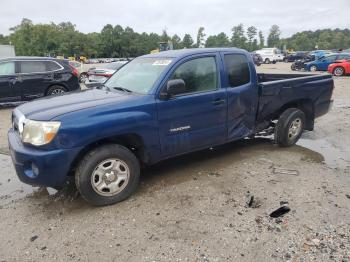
[[310, 92]]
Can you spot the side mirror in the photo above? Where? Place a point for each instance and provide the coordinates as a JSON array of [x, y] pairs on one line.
[[174, 87]]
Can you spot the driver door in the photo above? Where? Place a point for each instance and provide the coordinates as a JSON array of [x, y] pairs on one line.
[[196, 118]]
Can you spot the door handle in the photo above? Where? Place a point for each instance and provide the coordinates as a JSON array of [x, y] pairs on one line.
[[218, 101]]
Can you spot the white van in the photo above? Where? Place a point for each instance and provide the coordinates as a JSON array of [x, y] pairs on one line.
[[270, 55]]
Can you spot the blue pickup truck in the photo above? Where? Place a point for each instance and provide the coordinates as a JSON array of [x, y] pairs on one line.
[[156, 107]]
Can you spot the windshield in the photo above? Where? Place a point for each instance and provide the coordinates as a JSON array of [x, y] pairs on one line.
[[115, 65], [139, 75]]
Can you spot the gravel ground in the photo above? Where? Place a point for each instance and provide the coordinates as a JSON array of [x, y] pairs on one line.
[[212, 205]]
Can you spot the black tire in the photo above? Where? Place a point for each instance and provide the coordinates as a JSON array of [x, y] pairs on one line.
[[273, 62], [293, 67], [338, 71], [55, 90], [94, 158], [283, 134], [267, 61]]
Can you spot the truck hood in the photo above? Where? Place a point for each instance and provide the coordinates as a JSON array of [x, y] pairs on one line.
[[45, 109]]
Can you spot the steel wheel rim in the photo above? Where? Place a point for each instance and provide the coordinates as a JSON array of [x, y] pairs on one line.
[[57, 91], [338, 71], [313, 68], [295, 128], [110, 177], [83, 78]]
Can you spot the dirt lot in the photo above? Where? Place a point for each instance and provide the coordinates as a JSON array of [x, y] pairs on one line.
[[194, 208]]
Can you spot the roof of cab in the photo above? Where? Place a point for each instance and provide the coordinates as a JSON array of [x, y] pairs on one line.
[[192, 51]]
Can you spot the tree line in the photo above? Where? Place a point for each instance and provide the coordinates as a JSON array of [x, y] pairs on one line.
[[53, 39]]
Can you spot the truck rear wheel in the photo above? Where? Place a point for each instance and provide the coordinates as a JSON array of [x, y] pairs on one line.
[[289, 127], [107, 175]]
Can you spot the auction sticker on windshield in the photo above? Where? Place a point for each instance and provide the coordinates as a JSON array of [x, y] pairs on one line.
[[163, 62]]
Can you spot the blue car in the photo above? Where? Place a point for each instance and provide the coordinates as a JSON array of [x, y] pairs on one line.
[[322, 63]]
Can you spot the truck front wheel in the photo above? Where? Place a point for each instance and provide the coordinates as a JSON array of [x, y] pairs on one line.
[[107, 175], [289, 127]]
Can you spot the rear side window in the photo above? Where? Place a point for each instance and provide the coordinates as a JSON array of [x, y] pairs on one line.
[[27, 67], [32, 67], [331, 58], [199, 74], [7, 68], [52, 66], [237, 69], [340, 57]]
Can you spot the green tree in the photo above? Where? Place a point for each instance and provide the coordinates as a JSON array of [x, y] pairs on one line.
[[220, 40], [274, 36], [177, 43], [251, 35], [4, 40], [238, 39], [187, 41], [261, 39], [200, 37]]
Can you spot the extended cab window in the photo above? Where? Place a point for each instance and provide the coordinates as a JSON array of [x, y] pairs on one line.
[[237, 69], [32, 67], [7, 68], [199, 74]]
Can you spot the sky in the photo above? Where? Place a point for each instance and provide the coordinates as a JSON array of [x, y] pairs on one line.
[[180, 16]]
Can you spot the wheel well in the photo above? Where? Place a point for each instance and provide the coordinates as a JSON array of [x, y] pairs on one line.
[[305, 105], [131, 141], [47, 89]]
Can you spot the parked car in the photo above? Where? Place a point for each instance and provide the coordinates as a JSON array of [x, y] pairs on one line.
[[270, 55], [320, 53], [27, 78], [258, 60], [340, 67], [300, 63], [152, 109], [102, 74], [322, 63], [82, 75], [295, 56]]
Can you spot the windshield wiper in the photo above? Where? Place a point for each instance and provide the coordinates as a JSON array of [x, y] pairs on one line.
[[122, 89]]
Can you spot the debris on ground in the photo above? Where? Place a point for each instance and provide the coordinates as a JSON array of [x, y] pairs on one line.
[[253, 202], [280, 211], [33, 238], [283, 171]]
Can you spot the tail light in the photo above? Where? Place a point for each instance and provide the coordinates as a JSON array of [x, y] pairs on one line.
[[74, 71]]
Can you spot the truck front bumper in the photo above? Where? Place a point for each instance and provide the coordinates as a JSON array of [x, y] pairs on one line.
[[40, 167]]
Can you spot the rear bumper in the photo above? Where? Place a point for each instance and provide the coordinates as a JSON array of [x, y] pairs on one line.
[[40, 167]]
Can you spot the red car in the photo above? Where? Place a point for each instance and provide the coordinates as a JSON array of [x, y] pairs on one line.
[[339, 68]]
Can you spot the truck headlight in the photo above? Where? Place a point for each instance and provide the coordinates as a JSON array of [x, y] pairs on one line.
[[39, 133]]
